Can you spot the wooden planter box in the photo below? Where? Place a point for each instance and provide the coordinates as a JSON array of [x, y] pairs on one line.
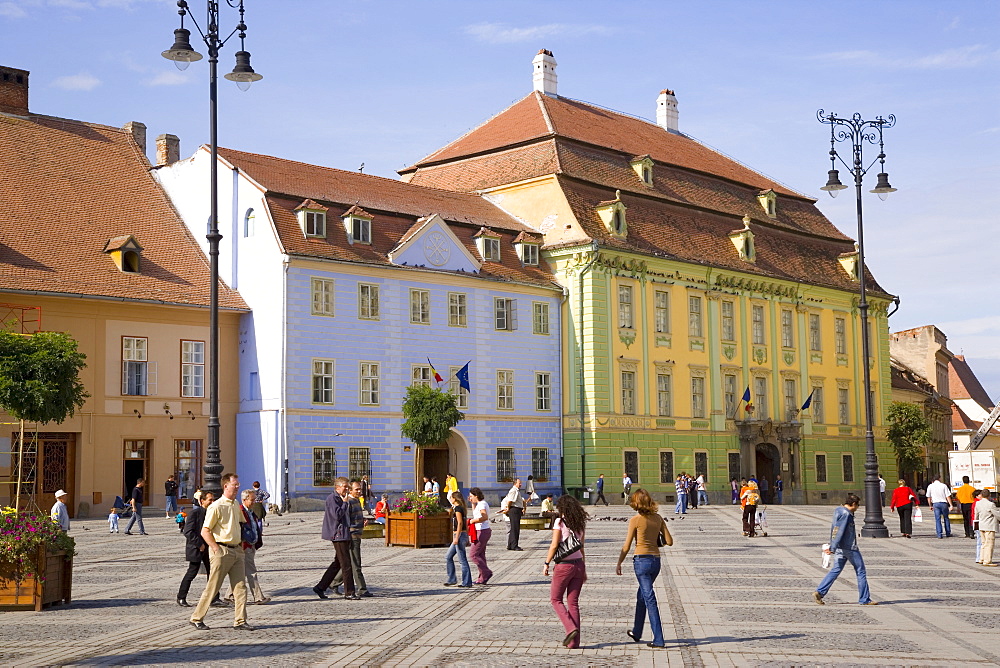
[[408, 530], [32, 594]]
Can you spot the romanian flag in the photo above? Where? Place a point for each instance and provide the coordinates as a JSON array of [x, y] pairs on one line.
[[437, 376], [746, 398], [809, 400]]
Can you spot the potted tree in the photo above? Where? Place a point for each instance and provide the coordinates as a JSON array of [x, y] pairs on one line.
[[416, 520], [40, 383]]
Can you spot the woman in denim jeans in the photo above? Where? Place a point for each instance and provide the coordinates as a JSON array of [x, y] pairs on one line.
[[569, 574], [644, 529], [460, 540]]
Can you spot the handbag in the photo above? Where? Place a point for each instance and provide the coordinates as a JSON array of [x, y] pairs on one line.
[[567, 546], [917, 515], [660, 540]]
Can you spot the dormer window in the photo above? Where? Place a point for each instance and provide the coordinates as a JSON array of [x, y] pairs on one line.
[[743, 241], [527, 249], [358, 225], [849, 262], [612, 214], [312, 218], [643, 167], [126, 252], [488, 244], [769, 202]]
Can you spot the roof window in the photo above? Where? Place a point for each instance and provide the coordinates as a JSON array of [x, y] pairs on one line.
[[769, 202], [488, 244], [126, 252], [312, 218], [527, 247], [612, 214], [743, 241], [643, 167], [358, 225]]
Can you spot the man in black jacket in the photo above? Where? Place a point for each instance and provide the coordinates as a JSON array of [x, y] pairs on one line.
[[337, 529], [195, 549], [170, 491]]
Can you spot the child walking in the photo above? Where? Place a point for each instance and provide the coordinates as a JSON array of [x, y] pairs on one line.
[[113, 520]]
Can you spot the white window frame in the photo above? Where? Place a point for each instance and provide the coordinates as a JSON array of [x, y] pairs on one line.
[[840, 335], [815, 332], [529, 254], [791, 396], [491, 249], [728, 320], [455, 388], [420, 306], [504, 314], [420, 374], [505, 389], [787, 329], [760, 397], [539, 318], [664, 400], [697, 397], [323, 294], [368, 301], [543, 391], [661, 311], [627, 381], [323, 381], [192, 368], [313, 223], [458, 309], [361, 230], [696, 327], [138, 373], [368, 373], [758, 335], [625, 307]]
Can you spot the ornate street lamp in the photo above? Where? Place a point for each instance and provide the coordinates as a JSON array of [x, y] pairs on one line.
[[859, 132], [182, 54]]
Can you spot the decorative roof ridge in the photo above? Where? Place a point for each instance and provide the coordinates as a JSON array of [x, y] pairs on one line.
[[528, 237], [487, 232]]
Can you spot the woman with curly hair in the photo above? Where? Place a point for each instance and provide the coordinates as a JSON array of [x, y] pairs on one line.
[[570, 573], [646, 528]]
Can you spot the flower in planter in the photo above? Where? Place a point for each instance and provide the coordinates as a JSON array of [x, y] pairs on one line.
[[22, 533], [422, 506]]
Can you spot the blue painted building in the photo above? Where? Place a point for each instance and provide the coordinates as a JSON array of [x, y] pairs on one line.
[[354, 282]]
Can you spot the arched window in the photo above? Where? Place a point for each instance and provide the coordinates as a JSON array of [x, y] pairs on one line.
[[248, 223]]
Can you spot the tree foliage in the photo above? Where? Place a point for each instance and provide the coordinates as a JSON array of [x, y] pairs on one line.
[[429, 415], [909, 432], [40, 376]]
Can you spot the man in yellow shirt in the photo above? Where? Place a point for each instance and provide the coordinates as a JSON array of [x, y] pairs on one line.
[[964, 496], [221, 531]]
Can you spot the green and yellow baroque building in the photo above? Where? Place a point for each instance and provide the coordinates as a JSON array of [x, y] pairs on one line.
[[687, 279]]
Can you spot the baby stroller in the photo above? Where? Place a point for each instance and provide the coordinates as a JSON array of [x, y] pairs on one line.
[[124, 509], [760, 520]]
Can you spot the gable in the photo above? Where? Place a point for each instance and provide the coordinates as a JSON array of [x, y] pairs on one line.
[[432, 244]]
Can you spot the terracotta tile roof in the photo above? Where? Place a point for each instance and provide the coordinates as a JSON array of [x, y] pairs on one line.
[[661, 228], [356, 211], [68, 188], [962, 422], [963, 384], [525, 237], [397, 210], [309, 205], [905, 378]]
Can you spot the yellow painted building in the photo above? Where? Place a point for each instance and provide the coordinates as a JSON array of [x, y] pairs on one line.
[[90, 246]]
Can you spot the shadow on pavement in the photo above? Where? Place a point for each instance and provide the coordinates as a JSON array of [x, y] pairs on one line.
[[203, 654], [111, 603]]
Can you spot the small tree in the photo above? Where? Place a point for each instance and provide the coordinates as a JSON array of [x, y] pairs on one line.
[[40, 380], [429, 414], [909, 432]]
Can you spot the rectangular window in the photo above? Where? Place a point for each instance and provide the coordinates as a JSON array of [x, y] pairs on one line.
[[820, 468], [791, 398], [455, 388], [666, 467], [628, 392], [625, 307], [539, 318], [322, 382], [192, 368], [314, 223], [505, 314], [369, 384], [505, 464], [505, 390], [491, 249], [698, 397], [787, 335], [757, 324], [632, 465], [728, 321], [817, 405], [322, 296], [367, 301], [663, 403], [543, 392], [701, 465], [694, 316], [840, 335], [540, 464], [529, 254], [760, 397], [734, 466], [843, 410], [361, 230], [661, 304], [420, 307], [187, 464], [456, 309], [135, 366], [814, 338], [324, 467], [420, 375], [848, 468], [359, 463], [729, 393]]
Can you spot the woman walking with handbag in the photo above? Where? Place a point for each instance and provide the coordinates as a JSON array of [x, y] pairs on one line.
[[569, 572], [480, 517], [649, 531], [460, 540], [903, 499]]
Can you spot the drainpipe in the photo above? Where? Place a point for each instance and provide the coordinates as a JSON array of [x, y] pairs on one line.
[[579, 374]]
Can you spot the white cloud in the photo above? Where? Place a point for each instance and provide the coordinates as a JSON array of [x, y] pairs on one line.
[[168, 78], [500, 33], [81, 81], [11, 10], [949, 59], [71, 4]]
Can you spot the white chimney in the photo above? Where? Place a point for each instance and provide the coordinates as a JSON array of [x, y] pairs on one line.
[[666, 111], [544, 77]]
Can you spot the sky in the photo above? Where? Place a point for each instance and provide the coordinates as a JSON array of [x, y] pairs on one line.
[[386, 82]]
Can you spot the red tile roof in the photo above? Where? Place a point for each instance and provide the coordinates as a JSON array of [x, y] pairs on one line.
[[963, 384], [68, 188]]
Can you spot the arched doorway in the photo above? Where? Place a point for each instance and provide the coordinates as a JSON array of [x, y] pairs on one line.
[[768, 461], [459, 459]]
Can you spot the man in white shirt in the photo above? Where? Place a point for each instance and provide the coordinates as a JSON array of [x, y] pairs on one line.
[[626, 487], [59, 512], [515, 505], [939, 496], [881, 488]]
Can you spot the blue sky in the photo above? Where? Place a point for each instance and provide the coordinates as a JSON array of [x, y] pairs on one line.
[[385, 82]]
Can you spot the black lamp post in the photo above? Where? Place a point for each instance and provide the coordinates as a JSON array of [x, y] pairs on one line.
[[183, 55], [860, 132]]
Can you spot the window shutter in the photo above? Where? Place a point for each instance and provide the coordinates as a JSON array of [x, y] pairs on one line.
[[512, 314], [124, 377], [150, 379]]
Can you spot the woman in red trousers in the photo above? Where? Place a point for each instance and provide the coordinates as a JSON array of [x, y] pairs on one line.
[[568, 575]]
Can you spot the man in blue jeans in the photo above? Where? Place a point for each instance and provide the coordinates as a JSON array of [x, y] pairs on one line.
[[939, 496], [844, 548]]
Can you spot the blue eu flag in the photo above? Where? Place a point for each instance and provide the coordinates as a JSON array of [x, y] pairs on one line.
[[463, 378]]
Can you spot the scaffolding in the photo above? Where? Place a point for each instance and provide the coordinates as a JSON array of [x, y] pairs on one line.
[[19, 478]]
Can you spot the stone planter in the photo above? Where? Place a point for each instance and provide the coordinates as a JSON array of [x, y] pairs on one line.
[[408, 530], [54, 588]]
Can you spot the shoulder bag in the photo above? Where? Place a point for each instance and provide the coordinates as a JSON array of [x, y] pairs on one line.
[[660, 540], [567, 546]]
